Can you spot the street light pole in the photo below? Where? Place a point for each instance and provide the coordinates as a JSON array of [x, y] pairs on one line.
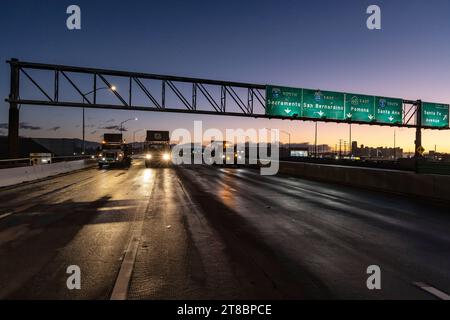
[[289, 136], [121, 124], [112, 88], [134, 134], [84, 139]]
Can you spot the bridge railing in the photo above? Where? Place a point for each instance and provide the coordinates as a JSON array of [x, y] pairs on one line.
[[23, 162]]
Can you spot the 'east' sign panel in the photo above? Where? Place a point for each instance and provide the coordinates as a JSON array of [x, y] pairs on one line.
[[283, 101], [435, 115], [388, 110], [359, 107], [323, 104]]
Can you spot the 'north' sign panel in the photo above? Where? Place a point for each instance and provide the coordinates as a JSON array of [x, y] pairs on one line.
[[283, 101]]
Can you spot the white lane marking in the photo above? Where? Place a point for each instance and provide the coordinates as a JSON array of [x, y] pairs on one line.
[[6, 215], [121, 286], [435, 292], [17, 210], [120, 290]]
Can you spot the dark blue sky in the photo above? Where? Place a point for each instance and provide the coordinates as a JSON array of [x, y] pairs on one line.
[[316, 44]]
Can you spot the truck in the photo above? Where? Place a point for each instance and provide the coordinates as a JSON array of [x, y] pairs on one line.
[[227, 159], [157, 148], [114, 151]]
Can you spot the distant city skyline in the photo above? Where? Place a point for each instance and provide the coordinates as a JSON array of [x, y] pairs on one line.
[[313, 44]]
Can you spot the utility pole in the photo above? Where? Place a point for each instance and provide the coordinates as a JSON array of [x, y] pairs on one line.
[[395, 151], [315, 141], [350, 142], [340, 149]]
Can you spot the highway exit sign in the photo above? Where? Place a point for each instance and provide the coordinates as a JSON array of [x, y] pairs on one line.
[[435, 115], [323, 104], [340, 106], [283, 101], [389, 110], [359, 107]]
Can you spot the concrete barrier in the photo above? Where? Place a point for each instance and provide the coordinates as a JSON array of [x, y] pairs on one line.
[[426, 186], [13, 176]]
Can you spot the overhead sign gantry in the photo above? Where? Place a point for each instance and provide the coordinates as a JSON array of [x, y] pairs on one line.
[[209, 97]]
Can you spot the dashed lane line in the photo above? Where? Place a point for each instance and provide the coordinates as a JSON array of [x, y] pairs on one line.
[[16, 210], [435, 292]]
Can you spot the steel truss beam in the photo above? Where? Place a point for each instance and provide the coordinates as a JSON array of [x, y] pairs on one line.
[[255, 96]]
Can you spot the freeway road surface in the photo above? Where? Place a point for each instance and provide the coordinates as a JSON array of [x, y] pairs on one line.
[[216, 233]]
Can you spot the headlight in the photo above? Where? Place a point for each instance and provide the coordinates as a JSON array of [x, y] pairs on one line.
[[100, 155], [148, 156], [103, 159], [166, 156]]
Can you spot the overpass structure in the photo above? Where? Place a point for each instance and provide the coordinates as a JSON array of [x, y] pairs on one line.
[[218, 97]]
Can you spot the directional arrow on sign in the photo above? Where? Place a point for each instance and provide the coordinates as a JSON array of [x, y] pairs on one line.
[[320, 113], [445, 117], [371, 117], [287, 110], [391, 118], [349, 115]]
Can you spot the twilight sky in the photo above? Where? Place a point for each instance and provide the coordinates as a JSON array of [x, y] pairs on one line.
[[313, 44]]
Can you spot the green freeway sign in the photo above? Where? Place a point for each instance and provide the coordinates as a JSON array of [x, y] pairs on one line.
[[282, 101], [388, 110], [435, 115], [323, 104], [359, 107], [317, 104]]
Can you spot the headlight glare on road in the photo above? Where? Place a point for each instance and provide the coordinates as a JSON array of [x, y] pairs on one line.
[[166, 156], [148, 156]]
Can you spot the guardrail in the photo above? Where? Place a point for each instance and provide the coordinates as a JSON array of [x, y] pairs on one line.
[[18, 175], [24, 162]]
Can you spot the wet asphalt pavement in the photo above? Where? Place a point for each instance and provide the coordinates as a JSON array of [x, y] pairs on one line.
[[217, 233]]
